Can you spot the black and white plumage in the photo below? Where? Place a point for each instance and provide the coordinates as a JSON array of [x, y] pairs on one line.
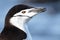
[[15, 20]]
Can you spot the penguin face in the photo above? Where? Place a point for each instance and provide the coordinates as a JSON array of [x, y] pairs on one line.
[[22, 12], [30, 12], [22, 17]]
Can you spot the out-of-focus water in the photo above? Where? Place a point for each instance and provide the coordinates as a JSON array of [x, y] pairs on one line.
[[45, 26], [5, 5]]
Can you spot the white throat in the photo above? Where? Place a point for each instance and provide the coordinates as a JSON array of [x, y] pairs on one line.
[[19, 22]]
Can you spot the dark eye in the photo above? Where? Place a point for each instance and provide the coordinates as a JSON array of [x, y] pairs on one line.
[[23, 12]]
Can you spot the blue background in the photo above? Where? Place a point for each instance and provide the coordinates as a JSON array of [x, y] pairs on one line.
[[47, 23]]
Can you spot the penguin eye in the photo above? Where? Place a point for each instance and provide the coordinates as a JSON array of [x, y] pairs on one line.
[[23, 12]]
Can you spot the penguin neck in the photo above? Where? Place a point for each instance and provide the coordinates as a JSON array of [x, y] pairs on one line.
[[19, 22]]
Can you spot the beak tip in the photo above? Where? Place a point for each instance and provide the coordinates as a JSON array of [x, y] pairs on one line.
[[44, 9]]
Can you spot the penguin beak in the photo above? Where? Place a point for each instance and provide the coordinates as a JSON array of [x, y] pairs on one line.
[[39, 10], [42, 9]]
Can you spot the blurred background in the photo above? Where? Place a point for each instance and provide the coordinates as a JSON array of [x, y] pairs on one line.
[[45, 26]]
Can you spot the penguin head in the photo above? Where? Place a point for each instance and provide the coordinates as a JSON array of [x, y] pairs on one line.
[[23, 12], [24, 15]]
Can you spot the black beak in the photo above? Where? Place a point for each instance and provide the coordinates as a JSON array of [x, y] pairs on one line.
[[39, 10]]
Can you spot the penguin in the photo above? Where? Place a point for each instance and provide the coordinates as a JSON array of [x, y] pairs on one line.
[[15, 19]]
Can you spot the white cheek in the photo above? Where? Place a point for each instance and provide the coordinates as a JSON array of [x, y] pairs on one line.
[[14, 21], [19, 13], [31, 14], [17, 22]]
